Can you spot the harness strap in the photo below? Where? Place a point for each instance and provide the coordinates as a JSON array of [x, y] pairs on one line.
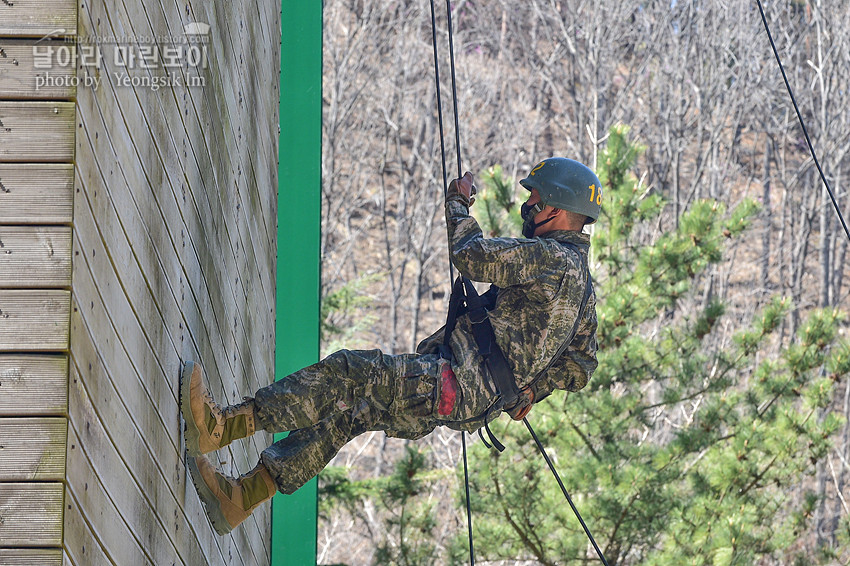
[[455, 300], [465, 300], [494, 359], [495, 441]]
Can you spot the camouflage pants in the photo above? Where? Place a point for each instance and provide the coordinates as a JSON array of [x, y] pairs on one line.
[[329, 403]]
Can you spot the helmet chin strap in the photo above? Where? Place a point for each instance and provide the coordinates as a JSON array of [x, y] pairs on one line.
[[529, 227]]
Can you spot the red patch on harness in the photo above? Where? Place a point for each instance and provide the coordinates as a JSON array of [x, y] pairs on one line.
[[448, 391]]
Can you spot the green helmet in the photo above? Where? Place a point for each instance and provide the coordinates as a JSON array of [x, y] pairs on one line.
[[567, 184]]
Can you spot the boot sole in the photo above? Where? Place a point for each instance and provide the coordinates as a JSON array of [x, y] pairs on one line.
[[192, 433], [212, 505]]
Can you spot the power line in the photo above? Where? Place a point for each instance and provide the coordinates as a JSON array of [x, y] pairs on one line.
[[802, 123]]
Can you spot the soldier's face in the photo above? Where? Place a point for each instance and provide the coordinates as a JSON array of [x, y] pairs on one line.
[[531, 210], [529, 205]]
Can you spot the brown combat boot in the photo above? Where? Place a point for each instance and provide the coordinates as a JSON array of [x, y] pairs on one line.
[[229, 501], [208, 425]]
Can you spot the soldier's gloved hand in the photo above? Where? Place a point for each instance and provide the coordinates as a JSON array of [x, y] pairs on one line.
[[523, 404], [462, 189]]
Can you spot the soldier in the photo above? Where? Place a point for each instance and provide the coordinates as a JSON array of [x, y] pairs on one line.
[[543, 318]]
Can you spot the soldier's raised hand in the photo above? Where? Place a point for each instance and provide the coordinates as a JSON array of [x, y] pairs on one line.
[[464, 187]]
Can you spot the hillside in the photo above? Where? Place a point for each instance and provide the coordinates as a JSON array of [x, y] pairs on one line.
[[699, 89]]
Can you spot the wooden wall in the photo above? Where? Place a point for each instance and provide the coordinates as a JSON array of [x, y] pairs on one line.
[[174, 256], [167, 255]]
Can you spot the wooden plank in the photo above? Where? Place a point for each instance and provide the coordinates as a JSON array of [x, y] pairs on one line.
[[137, 148], [122, 365], [231, 147], [151, 279], [35, 257], [81, 547], [30, 557], [115, 299], [37, 18], [37, 70], [33, 385], [168, 287], [149, 199], [31, 514], [216, 148], [145, 146], [138, 379], [34, 193], [34, 320], [129, 228], [153, 221], [41, 132], [33, 449]]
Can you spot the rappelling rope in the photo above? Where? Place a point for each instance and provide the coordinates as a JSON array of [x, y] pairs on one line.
[[440, 116], [564, 490], [454, 85], [802, 123], [445, 194], [451, 269]]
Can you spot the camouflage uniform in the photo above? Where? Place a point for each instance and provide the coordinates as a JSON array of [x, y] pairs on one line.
[[350, 392]]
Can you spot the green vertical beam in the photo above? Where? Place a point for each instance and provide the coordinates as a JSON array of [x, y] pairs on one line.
[[294, 516]]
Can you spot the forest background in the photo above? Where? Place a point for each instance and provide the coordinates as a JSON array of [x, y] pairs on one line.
[[681, 107]]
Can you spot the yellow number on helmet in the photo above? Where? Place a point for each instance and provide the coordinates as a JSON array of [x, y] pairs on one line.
[[537, 168]]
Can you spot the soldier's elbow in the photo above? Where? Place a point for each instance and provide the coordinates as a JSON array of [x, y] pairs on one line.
[[462, 261]]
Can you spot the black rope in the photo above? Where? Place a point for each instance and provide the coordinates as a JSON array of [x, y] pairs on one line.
[[459, 175], [802, 124], [468, 506], [440, 114], [451, 269], [445, 193], [454, 85], [564, 490]]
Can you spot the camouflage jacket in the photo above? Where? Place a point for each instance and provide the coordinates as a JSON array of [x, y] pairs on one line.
[[542, 285]]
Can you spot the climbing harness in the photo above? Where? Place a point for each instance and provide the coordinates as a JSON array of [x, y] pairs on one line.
[[464, 296], [802, 123], [516, 401]]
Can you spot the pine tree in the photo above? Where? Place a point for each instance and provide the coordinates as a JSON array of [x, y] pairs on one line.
[[496, 206], [683, 448], [345, 315]]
